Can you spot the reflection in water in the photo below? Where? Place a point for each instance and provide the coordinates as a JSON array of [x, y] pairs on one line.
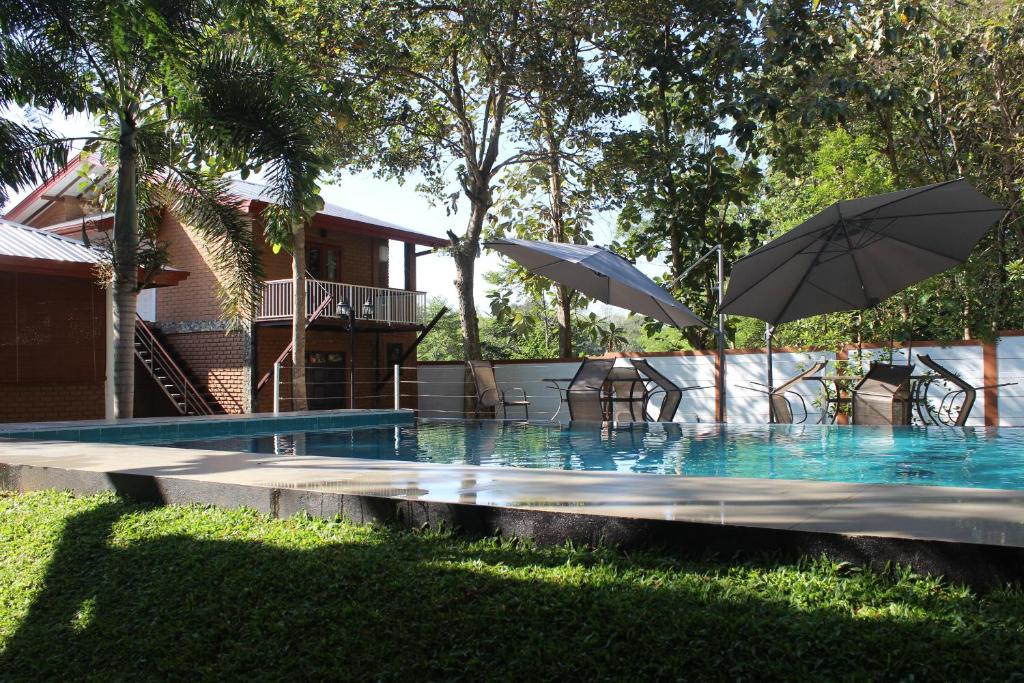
[[939, 456]]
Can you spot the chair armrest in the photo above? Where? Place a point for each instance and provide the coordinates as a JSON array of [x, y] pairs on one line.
[[504, 393]]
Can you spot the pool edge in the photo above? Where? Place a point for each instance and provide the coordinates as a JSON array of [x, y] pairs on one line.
[[979, 565]]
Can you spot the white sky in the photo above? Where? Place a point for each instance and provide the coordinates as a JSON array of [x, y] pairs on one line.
[[403, 205]]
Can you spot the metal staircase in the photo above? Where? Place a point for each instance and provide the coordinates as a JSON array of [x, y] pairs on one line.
[[169, 376]]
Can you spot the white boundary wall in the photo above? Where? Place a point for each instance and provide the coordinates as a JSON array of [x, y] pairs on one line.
[[441, 384]]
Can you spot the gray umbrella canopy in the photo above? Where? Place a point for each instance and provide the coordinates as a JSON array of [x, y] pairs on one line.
[[858, 252], [599, 274]]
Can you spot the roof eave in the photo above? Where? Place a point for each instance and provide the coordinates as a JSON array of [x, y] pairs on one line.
[[360, 228]]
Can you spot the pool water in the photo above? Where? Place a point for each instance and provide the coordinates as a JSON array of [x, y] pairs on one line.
[[932, 456]]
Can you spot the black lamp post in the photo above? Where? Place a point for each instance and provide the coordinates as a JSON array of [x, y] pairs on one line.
[[348, 320], [368, 309]]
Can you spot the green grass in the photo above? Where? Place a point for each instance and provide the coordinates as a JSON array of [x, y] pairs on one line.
[[97, 587]]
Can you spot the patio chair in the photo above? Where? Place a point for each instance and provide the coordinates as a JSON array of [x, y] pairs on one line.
[[628, 400], [778, 402], [488, 395], [584, 394], [947, 412], [781, 405], [882, 397], [671, 394]]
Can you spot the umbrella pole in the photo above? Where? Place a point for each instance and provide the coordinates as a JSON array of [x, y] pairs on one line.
[[720, 408], [768, 331]]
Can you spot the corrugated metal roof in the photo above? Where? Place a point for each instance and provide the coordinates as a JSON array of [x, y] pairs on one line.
[[250, 190], [20, 240]]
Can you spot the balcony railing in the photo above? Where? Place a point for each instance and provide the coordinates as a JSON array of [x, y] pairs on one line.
[[394, 306]]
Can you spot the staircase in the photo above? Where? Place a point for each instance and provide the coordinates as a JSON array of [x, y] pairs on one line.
[[169, 376]]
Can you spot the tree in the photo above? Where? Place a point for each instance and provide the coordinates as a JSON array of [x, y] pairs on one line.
[[175, 85], [444, 82], [550, 197], [682, 167], [927, 83]]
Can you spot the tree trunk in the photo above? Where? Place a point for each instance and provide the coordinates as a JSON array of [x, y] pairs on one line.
[[299, 318], [465, 265], [126, 270], [563, 296]]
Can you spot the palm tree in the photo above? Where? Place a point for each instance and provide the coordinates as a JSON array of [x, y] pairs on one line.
[[182, 89]]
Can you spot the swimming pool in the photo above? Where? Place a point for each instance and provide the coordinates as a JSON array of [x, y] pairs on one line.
[[933, 456]]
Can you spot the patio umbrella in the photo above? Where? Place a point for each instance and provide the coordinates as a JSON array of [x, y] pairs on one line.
[[856, 253], [600, 274]]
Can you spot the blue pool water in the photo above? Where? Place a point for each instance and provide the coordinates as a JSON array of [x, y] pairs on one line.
[[934, 456]]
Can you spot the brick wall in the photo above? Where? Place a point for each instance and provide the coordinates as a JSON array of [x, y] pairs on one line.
[[370, 361], [216, 360], [195, 298], [40, 402], [57, 212]]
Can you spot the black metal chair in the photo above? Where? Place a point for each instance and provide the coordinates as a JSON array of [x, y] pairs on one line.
[[955, 405]]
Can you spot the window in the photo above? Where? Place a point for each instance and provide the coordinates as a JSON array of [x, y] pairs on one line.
[[313, 261]]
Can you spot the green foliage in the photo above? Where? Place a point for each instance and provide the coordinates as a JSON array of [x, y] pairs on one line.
[[127, 591], [683, 170], [873, 97]]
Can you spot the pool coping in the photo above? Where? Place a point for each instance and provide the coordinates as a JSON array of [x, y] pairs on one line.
[[679, 517]]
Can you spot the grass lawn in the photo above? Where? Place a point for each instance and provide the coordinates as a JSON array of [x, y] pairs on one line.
[[97, 587]]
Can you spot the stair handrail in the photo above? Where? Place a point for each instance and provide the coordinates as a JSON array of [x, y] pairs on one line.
[[181, 382]]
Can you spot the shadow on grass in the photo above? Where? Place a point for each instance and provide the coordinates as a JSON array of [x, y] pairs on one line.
[[427, 606]]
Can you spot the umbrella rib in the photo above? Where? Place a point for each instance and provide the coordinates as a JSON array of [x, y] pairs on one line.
[[856, 266], [832, 294], [883, 236], [669, 314], [923, 190], [934, 213], [803, 279]]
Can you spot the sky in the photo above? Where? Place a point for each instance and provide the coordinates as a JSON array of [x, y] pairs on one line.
[[398, 203]]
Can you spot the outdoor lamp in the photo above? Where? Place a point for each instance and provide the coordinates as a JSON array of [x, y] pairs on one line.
[[345, 310], [368, 309]]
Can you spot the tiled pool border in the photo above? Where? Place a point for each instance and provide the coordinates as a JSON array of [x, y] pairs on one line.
[[184, 428]]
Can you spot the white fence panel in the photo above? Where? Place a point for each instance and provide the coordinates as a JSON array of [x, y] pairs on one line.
[[441, 385], [440, 390], [1010, 356]]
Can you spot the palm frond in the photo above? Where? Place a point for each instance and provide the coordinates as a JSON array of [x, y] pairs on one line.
[[28, 155], [263, 110]]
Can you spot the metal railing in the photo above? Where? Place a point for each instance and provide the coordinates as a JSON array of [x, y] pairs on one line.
[[168, 375], [347, 382], [368, 303]]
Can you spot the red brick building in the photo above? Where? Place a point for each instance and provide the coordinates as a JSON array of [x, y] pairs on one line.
[[348, 262], [54, 329]]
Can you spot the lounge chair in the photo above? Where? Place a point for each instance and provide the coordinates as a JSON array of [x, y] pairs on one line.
[[488, 395], [882, 397], [671, 394], [584, 394]]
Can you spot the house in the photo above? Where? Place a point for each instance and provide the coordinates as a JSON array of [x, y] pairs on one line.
[[349, 258], [55, 338]]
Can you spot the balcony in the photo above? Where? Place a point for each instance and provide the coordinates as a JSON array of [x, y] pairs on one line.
[[379, 304]]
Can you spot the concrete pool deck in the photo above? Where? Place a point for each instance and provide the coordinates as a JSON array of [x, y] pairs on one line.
[[973, 535]]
